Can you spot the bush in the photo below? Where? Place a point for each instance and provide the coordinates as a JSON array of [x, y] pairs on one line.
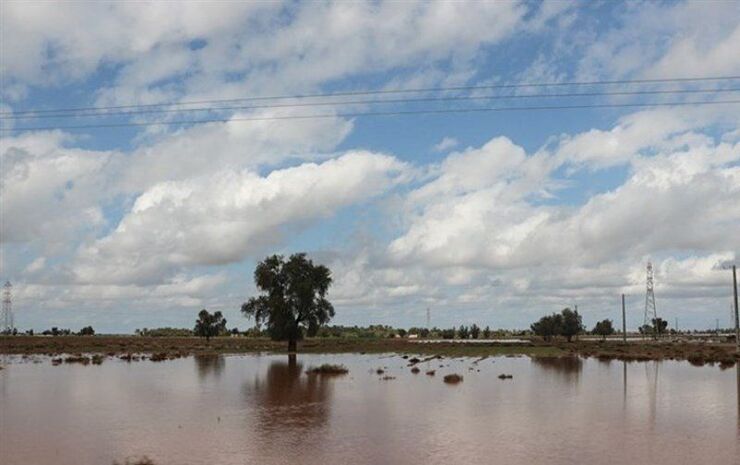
[[87, 331], [328, 369], [604, 328], [548, 326]]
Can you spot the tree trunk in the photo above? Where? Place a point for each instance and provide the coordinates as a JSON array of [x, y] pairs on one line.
[[292, 346]]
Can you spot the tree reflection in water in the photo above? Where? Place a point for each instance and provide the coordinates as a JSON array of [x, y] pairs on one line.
[[209, 364], [567, 367], [289, 399]]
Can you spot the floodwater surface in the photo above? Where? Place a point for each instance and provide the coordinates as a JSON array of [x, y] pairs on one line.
[[268, 410]]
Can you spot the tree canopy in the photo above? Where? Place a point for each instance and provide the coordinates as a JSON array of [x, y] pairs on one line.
[[548, 326], [293, 297], [87, 331], [572, 324], [209, 325], [604, 328], [657, 327], [567, 323]]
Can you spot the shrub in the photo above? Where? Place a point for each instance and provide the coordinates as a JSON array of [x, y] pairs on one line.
[[329, 369]]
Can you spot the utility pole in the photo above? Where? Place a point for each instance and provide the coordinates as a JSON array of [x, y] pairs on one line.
[[737, 320], [624, 323]]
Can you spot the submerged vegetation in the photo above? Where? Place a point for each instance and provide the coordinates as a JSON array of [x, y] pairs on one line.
[[328, 369], [137, 461]]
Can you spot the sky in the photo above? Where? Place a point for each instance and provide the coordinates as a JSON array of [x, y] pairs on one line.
[[494, 218]]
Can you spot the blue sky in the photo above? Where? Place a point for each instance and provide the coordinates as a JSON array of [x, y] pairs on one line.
[[493, 218]]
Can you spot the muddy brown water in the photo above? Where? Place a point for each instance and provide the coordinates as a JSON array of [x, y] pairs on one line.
[[266, 410]]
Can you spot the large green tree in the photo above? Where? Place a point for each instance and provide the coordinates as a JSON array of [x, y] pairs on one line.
[[548, 326], [293, 298], [572, 324], [209, 325]]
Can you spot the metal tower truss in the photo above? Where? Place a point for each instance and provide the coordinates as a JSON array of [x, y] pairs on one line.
[[7, 314], [651, 314]]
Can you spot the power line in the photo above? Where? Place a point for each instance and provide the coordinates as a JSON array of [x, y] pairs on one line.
[[379, 113], [372, 102], [391, 91]]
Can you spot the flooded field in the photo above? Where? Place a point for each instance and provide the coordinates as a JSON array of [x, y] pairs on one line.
[[268, 410]]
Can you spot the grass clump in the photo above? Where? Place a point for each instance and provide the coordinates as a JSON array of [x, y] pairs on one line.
[[453, 378], [329, 369], [78, 359], [726, 363]]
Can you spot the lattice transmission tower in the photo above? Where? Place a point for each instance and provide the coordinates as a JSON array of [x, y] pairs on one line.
[[651, 314], [7, 316]]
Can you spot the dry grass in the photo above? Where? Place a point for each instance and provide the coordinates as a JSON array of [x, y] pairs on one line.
[[125, 347]]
